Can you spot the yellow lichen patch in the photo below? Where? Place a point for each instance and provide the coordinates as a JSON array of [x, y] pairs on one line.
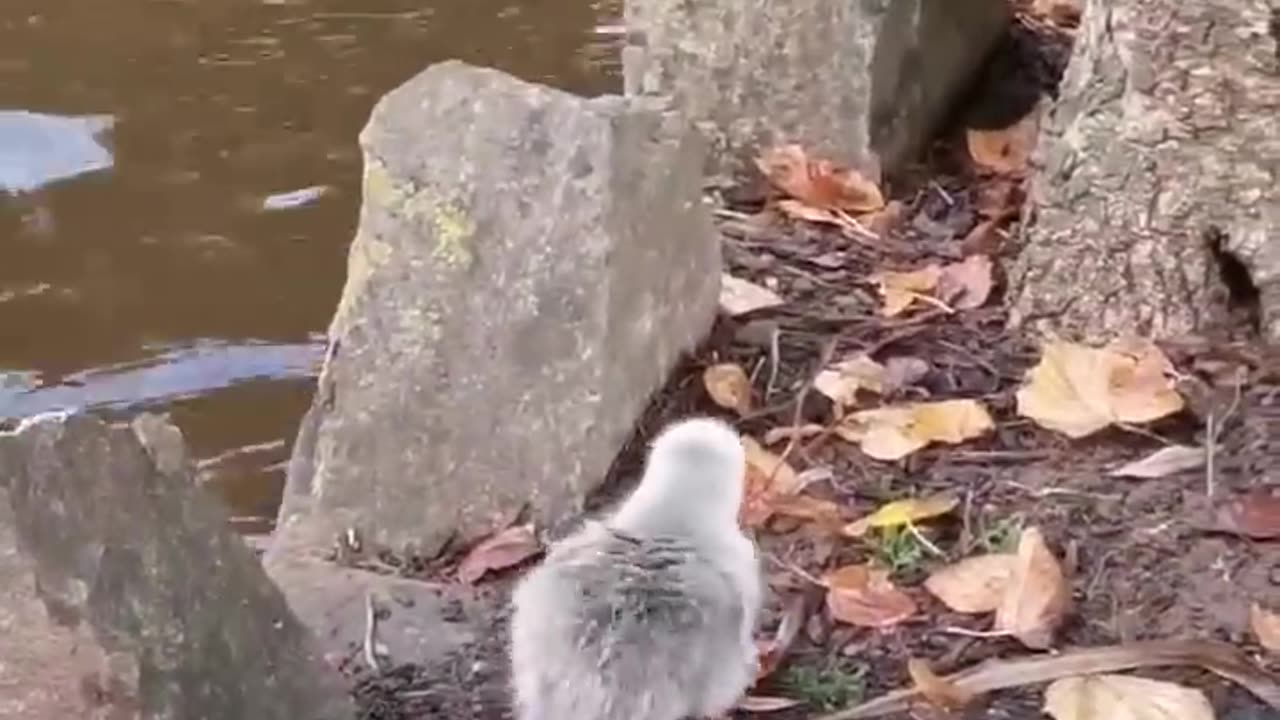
[[453, 229]]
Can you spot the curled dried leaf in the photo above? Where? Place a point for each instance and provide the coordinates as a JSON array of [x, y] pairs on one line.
[[973, 585], [966, 285], [864, 596], [1037, 597], [1165, 461], [1006, 151], [942, 693], [503, 550], [729, 386], [819, 183]]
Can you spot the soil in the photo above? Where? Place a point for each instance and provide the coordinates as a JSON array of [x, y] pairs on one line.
[[1144, 565]]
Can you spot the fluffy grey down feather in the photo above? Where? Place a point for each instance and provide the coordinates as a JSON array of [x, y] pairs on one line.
[[650, 614]]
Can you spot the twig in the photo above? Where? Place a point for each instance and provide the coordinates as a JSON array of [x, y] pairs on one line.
[[966, 632], [775, 360], [1213, 430], [911, 528], [1137, 430], [824, 360], [795, 570], [371, 634]]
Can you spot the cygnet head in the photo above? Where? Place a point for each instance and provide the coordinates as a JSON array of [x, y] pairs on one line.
[[695, 470]]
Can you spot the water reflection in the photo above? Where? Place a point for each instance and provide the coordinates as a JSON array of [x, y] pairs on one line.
[[111, 281]]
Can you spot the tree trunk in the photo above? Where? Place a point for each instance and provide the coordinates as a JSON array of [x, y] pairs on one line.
[[1155, 207]]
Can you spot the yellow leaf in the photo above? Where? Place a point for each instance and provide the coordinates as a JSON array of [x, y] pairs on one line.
[[895, 431], [1036, 598], [862, 595], [729, 387], [900, 289], [1266, 625], [902, 512], [1123, 697], [973, 585], [842, 381], [1078, 390]]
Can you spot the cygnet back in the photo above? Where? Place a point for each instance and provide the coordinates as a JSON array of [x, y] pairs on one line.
[[650, 614]]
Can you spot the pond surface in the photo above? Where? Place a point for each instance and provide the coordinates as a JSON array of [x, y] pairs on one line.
[[179, 182]]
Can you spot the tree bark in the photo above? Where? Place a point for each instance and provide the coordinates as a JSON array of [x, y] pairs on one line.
[[1157, 175]]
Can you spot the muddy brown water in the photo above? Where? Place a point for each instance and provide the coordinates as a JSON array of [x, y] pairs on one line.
[[180, 277]]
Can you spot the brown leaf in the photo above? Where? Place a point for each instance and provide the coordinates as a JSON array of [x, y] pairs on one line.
[[864, 596], [899, 289], [882, 221], [942, 693], [1165, 461], [1266, 625], [1078, 390], [819, 183], [799, 211], [998, 199], [1036, 600], [768, 477], [739, 297], [729, 386], [967, 284], [1124, 697], [805, 507], [842, 381], [973, 585], [1007, 150], [765, 703], [904, 512], [895, 431], [509, 547], [984, 239], [1254, 514]]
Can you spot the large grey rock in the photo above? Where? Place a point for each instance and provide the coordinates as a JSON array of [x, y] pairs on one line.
[[1161, 159], [864, 82], [123, 594], [529, 266]]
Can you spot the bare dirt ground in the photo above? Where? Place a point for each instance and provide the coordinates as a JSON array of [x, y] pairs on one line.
[[1146, 558]]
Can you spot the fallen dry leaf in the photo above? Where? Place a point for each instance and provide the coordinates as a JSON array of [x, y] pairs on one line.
[[739, 297], [1254, 514], [899, 289], [1036, 599], [974, 585], [729, 386], [1077, 390], [819, 183], [1165, 461], [509, 547], [903, 371], [765, 703], [1123, 697], [842, 381], [1006, 150], [904, 512], [895, 431], [805, 507], [966, 285], [1266, 625], [942, 693], [768, 477], [994, 674], [799, 211], [864, 596]]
